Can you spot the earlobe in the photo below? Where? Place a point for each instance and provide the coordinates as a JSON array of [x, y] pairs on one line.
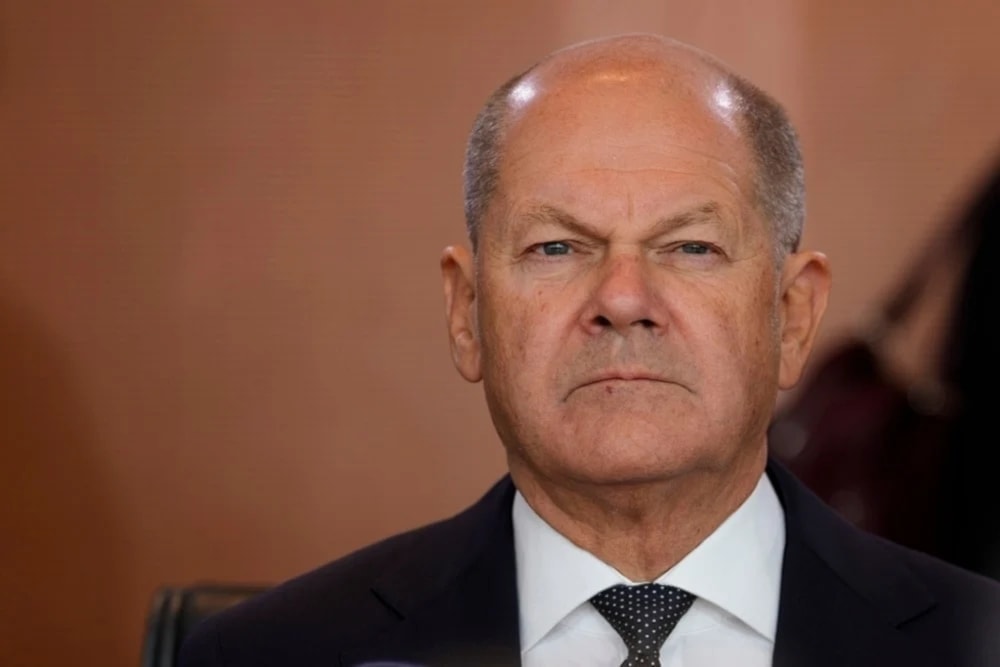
[[805, 289], [458, 273]]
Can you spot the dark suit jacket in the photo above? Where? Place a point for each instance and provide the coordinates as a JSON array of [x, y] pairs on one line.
[[446, 594]]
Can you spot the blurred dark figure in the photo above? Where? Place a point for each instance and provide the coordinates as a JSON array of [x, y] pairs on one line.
[[896, 433]]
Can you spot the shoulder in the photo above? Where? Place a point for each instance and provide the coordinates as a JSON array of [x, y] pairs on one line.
[[963, 596], [322, 611], [963, 621], [900, 597]]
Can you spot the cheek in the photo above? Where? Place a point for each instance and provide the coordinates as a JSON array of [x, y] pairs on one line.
[[756, 347], [509, 337], [742, 332], [519, 326]]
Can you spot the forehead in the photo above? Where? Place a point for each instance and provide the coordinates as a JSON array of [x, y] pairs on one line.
[[651, 128]]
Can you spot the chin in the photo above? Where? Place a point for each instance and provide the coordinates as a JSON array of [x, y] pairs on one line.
[[634, 460]]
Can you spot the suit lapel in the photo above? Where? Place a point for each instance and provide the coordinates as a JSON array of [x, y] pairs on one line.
[[454, 594], [844, 595]]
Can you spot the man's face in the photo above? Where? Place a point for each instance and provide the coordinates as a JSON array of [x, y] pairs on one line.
[[626, 296]]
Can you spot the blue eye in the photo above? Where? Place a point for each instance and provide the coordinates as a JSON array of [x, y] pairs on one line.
[[695, 248], [552, 248]]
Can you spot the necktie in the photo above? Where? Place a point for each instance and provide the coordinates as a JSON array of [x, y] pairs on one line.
[[643, 615]]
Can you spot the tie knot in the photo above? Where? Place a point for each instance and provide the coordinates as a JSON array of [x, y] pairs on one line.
[[644, 616]]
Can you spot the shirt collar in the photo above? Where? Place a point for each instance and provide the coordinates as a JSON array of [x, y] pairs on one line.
[[737, 567]]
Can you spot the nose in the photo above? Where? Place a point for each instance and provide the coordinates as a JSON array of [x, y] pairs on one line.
[[622, 298]]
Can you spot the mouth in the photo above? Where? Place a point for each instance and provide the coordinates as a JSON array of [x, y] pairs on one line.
[[611, 379]]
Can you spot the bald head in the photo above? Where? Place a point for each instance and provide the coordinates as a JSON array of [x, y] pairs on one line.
[[652, 68]]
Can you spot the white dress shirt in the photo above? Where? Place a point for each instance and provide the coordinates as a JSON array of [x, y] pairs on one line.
[[735, 574]]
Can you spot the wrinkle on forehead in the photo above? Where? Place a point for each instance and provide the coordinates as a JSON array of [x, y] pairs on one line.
[[653, 163], [524, 170]]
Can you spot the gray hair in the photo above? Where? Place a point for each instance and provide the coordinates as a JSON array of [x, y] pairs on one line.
[[779, 178], [482, 156]]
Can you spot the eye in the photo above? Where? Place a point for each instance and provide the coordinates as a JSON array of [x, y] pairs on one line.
[[552, 248], [695, 248]]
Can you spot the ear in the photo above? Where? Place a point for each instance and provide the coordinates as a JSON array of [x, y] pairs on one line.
[[805, 286], [458, 272]]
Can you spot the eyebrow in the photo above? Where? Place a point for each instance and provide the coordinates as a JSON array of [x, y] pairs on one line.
[[552, 215], [707, 212]]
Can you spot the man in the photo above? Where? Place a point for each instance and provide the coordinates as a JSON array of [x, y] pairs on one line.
[[633, 301]]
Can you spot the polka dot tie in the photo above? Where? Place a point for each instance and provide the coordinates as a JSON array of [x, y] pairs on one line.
[[643, 615]]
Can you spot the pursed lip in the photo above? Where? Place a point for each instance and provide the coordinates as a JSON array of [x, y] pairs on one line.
[[621, 376]]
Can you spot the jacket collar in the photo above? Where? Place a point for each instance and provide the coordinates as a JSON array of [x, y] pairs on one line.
[[454, 594], [844, 594]]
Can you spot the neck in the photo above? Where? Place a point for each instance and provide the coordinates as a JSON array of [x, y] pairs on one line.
[[642, 529]]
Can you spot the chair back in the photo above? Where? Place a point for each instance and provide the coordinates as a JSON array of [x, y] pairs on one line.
[[175, 610]]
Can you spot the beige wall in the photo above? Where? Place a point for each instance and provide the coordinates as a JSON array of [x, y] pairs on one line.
[[222, 352]]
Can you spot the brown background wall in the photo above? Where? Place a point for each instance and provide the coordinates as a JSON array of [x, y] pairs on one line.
[[222, 352]]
